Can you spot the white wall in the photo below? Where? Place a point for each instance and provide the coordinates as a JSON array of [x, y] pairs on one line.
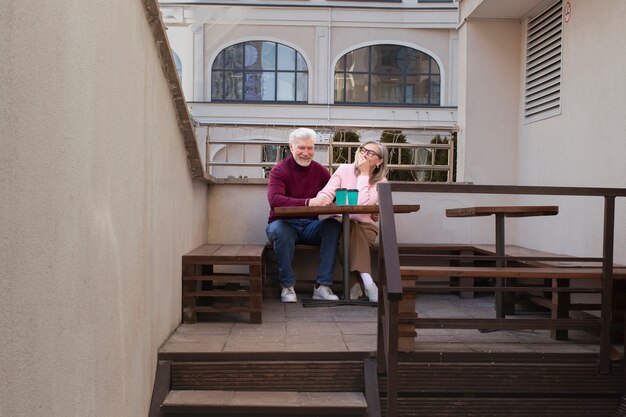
[[580, 147], [96, 209], [584, 145], [248, 209], [489, 102]]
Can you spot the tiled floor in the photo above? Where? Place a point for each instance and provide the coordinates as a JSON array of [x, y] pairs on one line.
[[293, 328]]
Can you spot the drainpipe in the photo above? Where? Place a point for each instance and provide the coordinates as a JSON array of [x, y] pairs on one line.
[[329, 92], [330, 85]]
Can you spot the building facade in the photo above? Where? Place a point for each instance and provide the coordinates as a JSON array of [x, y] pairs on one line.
[[317, 63]]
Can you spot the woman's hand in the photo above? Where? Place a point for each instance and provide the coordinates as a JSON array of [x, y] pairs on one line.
[[362, 164]]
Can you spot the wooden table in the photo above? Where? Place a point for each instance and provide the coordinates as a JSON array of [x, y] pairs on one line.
[[501, 212], [345, 211]]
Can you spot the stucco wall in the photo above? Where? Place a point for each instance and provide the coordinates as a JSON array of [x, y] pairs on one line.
[[247, 209], [489, 102], [580, 147], [96, 208], [584, 145]]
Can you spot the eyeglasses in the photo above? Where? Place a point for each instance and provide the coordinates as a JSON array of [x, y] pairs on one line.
[[369, 153]]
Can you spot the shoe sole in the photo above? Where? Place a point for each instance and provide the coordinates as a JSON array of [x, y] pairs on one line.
[[356, 296], [288, 301], [327, 299]]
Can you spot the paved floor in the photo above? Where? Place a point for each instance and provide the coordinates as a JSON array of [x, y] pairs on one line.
[[294, 328]]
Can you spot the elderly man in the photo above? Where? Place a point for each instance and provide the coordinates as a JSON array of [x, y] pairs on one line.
[[295, 181]]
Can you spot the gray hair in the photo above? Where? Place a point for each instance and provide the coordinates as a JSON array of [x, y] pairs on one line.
[[302, 133], [381, 171]]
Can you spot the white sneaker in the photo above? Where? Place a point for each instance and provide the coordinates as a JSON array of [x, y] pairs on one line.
[[288, 295], [356, 291], [324, 293], [372, 292]]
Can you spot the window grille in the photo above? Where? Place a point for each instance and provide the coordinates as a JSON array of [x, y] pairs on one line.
[[387, 75], [259, 71], [542, 96]]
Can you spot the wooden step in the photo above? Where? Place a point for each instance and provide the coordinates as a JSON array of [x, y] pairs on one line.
[[579, 406], [263, 403], [249, 375]]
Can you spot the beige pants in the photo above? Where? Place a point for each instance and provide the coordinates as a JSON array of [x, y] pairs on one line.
[[362, 237]]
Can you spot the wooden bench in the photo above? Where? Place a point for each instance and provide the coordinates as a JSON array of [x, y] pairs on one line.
[[560, 312], [206, 290], [405, 250]]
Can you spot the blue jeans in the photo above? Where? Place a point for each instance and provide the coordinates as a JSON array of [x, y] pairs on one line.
[[285, 234]]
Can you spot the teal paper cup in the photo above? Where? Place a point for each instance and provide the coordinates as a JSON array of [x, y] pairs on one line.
[[341, 196], [353, 197]]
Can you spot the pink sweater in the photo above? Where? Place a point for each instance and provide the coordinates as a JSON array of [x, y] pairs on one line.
[[346, 177]]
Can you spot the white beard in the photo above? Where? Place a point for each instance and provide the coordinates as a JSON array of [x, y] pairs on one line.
[[303, 163]]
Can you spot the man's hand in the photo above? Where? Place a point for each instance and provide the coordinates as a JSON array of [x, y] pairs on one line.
[[320, 200]]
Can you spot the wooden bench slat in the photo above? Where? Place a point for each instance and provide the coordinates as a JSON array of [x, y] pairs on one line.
[[227, 251], [221, 277], [252, 251], [226, 309], [449, 288], [509, 272], [204, 250], [232, 254], [223, 293], [475, 323]]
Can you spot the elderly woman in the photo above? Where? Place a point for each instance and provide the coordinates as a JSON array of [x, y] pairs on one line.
[[369, 168]]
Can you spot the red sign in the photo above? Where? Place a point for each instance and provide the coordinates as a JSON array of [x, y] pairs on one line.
[[567, 12]]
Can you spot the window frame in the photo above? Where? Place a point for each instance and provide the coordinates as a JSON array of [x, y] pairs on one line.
[[250, 74], [404, 75]]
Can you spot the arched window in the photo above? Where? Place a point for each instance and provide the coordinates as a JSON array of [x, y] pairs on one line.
[[259, 71], [387, 74]]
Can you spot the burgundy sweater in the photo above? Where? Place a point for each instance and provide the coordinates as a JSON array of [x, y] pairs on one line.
[[292, 185]]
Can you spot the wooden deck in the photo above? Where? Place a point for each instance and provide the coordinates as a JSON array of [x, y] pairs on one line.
[[319, 353], [351, 330]]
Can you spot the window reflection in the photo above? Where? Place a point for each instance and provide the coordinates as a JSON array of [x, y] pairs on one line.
[[259, 71], [387, 74]]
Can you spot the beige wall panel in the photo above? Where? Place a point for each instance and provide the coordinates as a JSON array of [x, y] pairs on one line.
[[218, 37], [345, 39], [584, 145], [97, 208], [248, 209], [489, 104], [432, 41]]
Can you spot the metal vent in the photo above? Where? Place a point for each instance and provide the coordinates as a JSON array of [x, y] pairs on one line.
[[542, 96]]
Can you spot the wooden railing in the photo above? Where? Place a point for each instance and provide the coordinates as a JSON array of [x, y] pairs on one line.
[[388, 302], [390, 276]]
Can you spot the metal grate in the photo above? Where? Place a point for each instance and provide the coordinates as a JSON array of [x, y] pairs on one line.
[[543, 64]]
